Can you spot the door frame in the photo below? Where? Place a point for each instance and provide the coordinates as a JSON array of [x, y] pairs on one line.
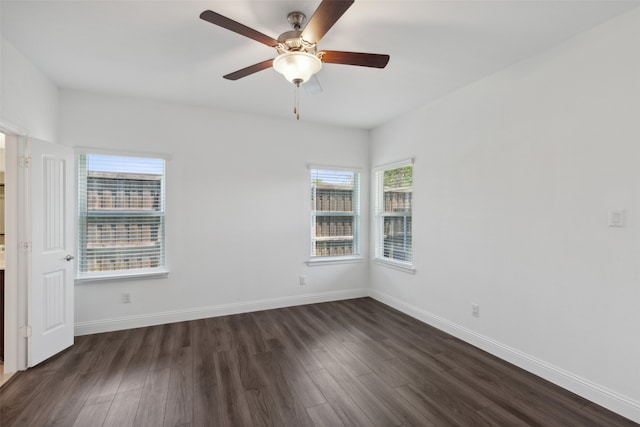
[[17, 225]]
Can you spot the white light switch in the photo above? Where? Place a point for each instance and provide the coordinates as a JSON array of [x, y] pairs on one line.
[[616, 218]]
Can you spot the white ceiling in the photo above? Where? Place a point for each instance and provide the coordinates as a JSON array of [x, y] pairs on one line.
[[162, 50]]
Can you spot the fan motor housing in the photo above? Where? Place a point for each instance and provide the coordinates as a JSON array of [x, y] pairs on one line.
[[289, 35], [291, 41]]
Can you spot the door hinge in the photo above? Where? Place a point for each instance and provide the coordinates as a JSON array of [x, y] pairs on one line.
[[24, 162], [24, 246], [25, 331]]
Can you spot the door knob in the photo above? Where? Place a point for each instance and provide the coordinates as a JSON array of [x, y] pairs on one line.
[[69, 257]]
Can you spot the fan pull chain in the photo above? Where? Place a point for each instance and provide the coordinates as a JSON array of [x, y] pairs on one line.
[[296, 100]]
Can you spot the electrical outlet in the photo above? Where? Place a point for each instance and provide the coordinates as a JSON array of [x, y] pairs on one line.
[[616, 218], [126, 298], [303, 280], [475, 310]]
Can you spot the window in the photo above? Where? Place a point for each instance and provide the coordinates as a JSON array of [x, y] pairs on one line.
[[120, 216], [393, 209], [335, 213]]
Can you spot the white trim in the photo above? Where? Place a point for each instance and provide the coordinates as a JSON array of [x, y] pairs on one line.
[[395, 165], [14, 276], [407, 268], [6, 127], [155, 274], [138, 321], [329, 260], [603, 396], [124, 153], [335, 168]]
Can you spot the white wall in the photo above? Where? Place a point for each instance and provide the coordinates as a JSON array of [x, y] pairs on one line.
[[238, 203], [514, 177], [28, 100]]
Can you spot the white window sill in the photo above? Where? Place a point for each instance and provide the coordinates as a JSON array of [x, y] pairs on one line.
[[154, 274], [401, 266], [330, 260]]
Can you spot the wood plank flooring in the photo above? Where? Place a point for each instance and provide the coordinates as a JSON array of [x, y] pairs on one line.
[[347, 363]]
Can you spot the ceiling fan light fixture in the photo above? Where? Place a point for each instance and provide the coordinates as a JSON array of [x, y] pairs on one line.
[[297, 66]]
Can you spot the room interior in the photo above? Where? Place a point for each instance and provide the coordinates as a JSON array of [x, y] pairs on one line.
[[520, 118]]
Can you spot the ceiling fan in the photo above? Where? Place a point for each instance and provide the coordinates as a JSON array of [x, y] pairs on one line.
[[298, 58]]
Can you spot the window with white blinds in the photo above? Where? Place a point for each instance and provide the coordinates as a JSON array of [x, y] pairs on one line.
[[121, 216], [335, 212], [393, 210]]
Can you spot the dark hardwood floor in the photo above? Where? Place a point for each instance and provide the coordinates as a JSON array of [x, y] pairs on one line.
[[355, 362]]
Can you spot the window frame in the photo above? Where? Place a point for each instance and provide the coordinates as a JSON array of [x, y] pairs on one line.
[[82, 213], [380, 215], [355, 213]]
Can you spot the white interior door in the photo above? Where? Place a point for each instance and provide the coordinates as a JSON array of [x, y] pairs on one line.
[[50, 310]]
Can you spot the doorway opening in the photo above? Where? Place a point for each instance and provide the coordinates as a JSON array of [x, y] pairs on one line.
[[13, 293], [3, 377]]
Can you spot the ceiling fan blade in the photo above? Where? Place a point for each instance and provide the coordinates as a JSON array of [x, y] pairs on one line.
[[323, 19], [354, 58], [236, 27], [249, 70]]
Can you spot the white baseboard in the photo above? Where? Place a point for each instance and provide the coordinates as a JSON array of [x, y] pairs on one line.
[[609, 399], [139, 321]]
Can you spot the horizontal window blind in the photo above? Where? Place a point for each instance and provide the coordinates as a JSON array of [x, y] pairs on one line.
[[393, 208], [121, 215], [335, 212]]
